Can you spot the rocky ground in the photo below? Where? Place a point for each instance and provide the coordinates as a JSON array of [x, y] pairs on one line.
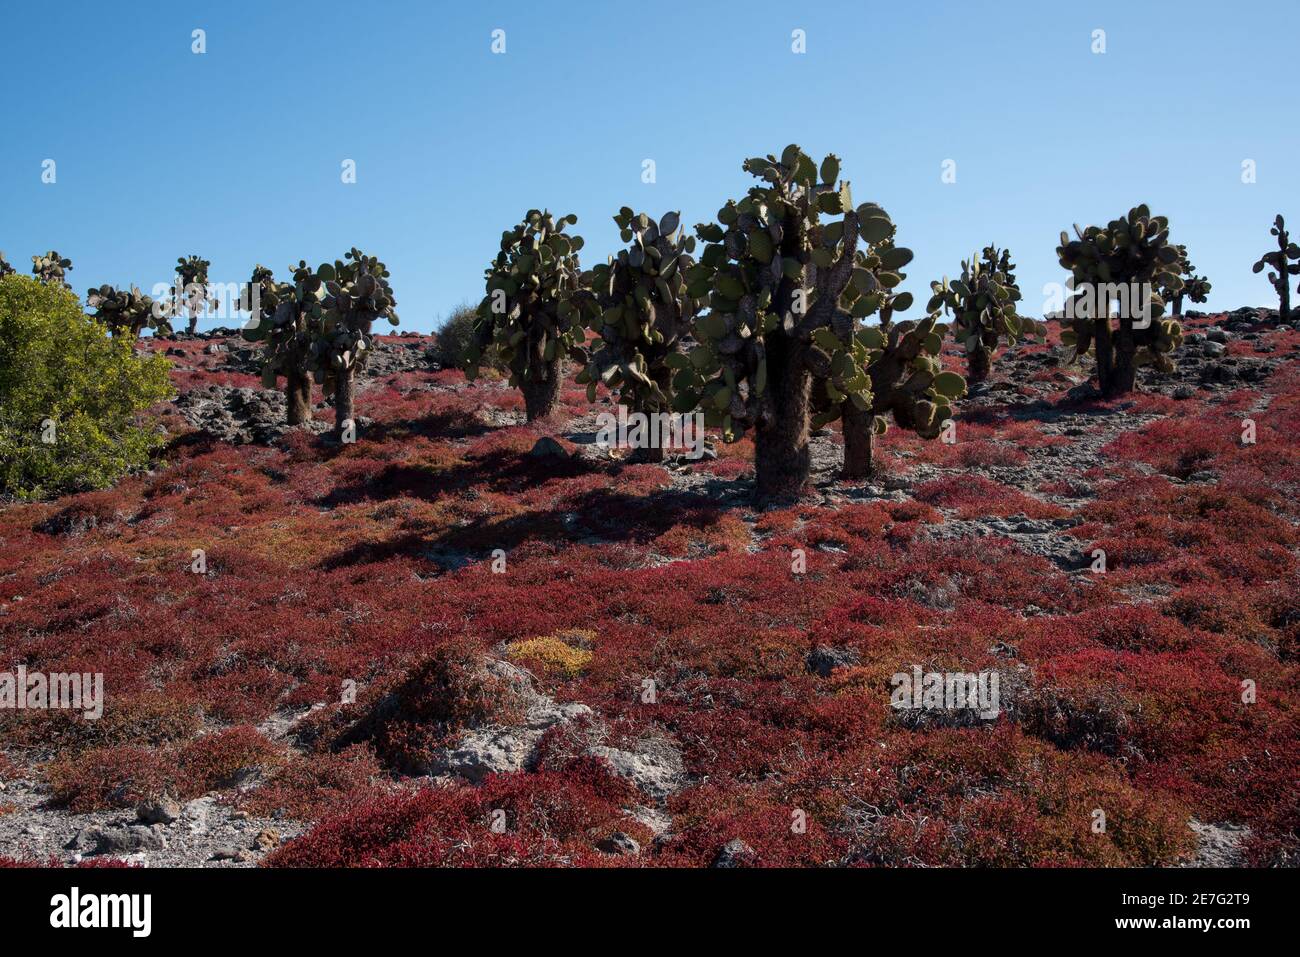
[[1026, 389]]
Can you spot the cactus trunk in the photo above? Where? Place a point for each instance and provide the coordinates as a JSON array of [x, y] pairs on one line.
[[542, 394], [344, 393], [781, 458], [1284, 310], [297, 393], [978, 362], [1116, 370], [1178, 304], [193, 324], [859, 442]]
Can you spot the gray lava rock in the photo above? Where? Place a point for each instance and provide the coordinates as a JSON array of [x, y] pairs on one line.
[[735, 853], [823, 660], [620, 844], [163, 810], [126, 840], [548, 448]]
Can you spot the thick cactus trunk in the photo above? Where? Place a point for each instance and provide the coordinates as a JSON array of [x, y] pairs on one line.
[[781, 458], [1284, 294], [542, 394], [344, 393], [297, 393], [978, 363], [859, 441], [1116, 371], [655, 452]]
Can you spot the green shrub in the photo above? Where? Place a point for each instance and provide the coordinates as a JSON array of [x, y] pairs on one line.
[[453, 337], [70, 396]]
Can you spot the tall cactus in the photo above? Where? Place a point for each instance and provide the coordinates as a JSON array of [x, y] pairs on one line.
[[282, 325], [357, 292], [127, 311], [982, 303], [192, 296], [645, 311], [1196, 288], [784, 287], [907, 383], [51, 269], [532, 311], [1131, 258], [1285, 262], [904, 381]]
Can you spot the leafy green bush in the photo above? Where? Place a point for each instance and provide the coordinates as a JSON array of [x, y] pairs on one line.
[[453, 337], [70, 396]]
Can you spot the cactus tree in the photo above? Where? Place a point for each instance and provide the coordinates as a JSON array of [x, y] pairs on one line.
[[127, 311], [1196, 288], [357, 292], [1284, 263], [1129, 259], [192, 293], [51, 268], [982, 303], [908, 384], [903, 369], [785, 286], [532, 312], [282, 326], [645, 311]]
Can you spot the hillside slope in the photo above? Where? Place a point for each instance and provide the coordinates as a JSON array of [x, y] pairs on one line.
[[645, 679]]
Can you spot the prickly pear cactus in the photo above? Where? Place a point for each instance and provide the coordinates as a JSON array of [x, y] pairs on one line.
[[5, 268], [51, 268], [532, 311], [908, 383], [982, 302], [784, 284], [644, 312], [1131, 256], [356, 293], [192, 272], [126, 311], [1196, 288], [281, 325], [1284, 263]]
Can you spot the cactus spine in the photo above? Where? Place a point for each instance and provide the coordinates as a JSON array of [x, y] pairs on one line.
[[1132, 258], [645, 311], [1285, 262], [532, 311]]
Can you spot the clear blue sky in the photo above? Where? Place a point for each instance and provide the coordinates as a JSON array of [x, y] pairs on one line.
[[235, 154]]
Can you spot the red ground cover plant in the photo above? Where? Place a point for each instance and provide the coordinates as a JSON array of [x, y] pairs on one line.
[[372, 564]]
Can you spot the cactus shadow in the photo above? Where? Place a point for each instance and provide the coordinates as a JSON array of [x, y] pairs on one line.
[[599, 517]]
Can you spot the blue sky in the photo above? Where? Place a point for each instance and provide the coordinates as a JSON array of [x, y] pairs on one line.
[[236, 154]]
